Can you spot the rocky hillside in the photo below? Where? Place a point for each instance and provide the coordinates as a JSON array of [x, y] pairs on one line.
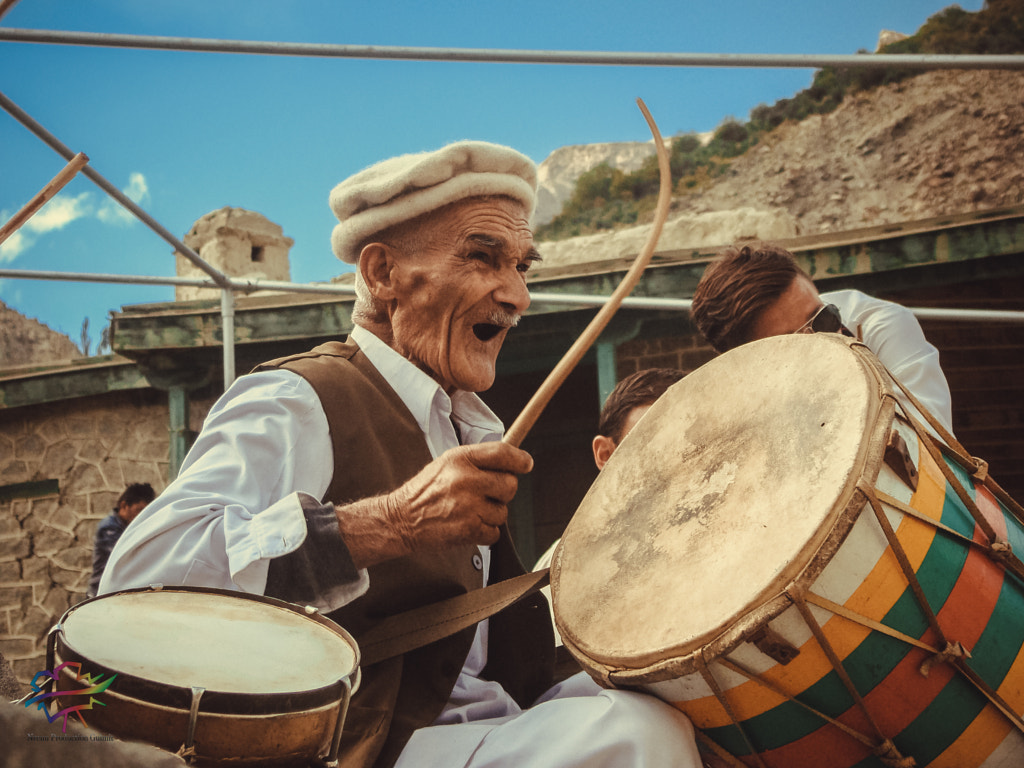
[[941, 143], [24, 341], [557, 175]]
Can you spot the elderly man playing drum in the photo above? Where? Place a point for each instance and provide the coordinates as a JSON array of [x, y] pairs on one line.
[[758, 290], [366, 478]]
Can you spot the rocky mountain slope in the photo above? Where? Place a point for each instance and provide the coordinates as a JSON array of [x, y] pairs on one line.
[[942, 143], [557, 175], [24, 341]]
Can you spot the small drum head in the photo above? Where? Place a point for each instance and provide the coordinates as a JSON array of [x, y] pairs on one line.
[[219, 641], [716, 500]]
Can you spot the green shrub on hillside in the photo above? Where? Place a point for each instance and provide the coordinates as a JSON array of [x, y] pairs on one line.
[[606, 198]]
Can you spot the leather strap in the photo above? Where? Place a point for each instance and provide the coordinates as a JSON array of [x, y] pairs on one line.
[[413, 629]]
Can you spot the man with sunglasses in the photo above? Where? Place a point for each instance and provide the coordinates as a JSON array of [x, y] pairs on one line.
[[757, 290]]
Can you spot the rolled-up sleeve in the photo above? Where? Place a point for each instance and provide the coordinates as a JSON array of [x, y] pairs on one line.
[[237, 503]]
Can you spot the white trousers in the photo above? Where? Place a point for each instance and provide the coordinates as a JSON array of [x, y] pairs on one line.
[[576, 723]]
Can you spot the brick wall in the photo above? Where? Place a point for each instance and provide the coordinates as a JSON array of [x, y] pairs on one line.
[[685, 352]]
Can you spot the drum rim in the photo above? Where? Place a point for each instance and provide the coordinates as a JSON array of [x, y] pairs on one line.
[[213, 701]]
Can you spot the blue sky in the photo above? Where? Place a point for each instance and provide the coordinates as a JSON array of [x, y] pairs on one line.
[[187, 133]]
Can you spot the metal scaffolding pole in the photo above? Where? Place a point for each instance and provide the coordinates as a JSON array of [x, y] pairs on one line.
[[222, 280], [514, 56], [226, 284], [93, 175], [537, 298], [227, 331], [242, 285]]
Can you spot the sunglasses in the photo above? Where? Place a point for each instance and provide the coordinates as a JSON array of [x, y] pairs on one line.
[[826, 320]]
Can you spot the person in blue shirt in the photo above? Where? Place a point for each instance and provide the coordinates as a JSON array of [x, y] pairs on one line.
[[134, 499]]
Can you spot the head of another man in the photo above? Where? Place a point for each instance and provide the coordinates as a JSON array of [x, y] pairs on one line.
[[442, 243], [134, 499], [628, 402], [755, 291]]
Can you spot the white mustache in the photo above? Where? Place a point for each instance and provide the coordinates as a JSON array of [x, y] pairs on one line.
[[503, 318]]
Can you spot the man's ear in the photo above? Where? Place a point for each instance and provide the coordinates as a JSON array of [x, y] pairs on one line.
[[376, 264], [604, 447]]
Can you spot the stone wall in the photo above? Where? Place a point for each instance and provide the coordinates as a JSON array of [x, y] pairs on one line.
[[240, 243], [93, 447]]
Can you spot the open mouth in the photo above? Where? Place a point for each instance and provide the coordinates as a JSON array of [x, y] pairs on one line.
[[487, 331]]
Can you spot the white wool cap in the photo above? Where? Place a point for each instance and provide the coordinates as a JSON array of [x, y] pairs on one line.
[[404, 187]]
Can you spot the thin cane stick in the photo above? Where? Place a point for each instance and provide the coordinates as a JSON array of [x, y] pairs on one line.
[[43, 196], [525, 421]]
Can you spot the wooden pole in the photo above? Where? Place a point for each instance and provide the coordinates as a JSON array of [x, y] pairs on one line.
[[43, 196], [529, 415], [5, 6]]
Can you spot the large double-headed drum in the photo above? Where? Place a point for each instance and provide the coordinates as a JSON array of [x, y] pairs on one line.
[[223, 678], [779, 553]]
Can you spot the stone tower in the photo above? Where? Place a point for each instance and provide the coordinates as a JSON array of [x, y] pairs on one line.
[[239, 243]]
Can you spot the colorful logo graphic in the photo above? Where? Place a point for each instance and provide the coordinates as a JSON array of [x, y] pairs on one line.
[[42, 700]]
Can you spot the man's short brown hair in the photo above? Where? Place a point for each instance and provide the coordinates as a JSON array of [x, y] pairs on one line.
[[137, 492], [737, 288], [635, 391]]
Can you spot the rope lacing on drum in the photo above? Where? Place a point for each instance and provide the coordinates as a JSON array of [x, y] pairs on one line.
[[947, 445], [980, 472], [186, 753], [950, 653], [188, 748], [891, 757], [1001, 551]]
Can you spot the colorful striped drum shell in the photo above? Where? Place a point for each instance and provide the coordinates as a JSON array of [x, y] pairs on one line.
[[817, 401]]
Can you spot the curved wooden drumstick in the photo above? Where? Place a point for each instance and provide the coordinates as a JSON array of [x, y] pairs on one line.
[[525, 421]]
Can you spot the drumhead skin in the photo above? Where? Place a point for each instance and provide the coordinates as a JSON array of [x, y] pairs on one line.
[[217, 641], [715, 502]]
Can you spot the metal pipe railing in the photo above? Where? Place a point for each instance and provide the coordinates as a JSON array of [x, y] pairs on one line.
[[94, 176], [222, 280], [226, 284], [227, 333], [242, 285], [921, 61], [538, 298]]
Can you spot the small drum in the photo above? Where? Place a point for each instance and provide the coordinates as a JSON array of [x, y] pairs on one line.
[[807, 574], [223, 676]]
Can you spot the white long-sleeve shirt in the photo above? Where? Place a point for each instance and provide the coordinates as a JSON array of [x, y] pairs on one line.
[[893, 334], [237, 501]]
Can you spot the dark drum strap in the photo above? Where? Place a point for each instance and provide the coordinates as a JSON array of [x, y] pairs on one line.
[[413, 629]]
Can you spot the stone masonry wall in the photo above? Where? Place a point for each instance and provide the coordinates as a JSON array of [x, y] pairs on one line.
[[93, 447]]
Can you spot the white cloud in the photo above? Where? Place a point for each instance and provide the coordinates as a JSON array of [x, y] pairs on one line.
[[62, 209], [12, 246], [137, 191], [59, 212]]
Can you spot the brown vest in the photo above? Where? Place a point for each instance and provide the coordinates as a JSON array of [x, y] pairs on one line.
[[378, 446]]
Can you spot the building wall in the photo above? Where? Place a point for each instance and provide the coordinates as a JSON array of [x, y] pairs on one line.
[[93, 447], [686, 352]]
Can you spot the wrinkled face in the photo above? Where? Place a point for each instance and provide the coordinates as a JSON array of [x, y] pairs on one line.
[[789, 312], [457, 297]]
